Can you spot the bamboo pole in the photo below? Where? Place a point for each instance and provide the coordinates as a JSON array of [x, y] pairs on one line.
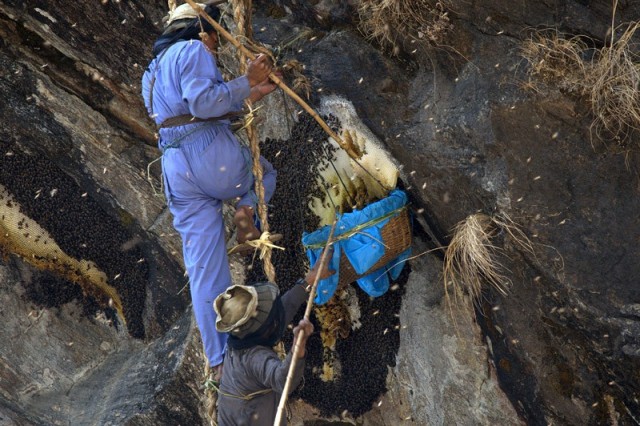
[[350, 148], [307, 313]]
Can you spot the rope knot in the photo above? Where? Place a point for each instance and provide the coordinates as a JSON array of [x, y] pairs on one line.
[[264, 244]]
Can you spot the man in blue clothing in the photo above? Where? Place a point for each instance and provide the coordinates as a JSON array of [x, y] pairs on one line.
[[203, 164]]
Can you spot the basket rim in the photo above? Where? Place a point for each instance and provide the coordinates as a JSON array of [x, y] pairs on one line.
[[398, 243], [358, 228]]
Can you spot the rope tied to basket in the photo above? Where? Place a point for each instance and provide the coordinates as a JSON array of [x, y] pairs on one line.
[[368, 240]]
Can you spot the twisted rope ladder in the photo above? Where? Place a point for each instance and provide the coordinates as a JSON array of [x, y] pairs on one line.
[[243, 29], [243, 24]]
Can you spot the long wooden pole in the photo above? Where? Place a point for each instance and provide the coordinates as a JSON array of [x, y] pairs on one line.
[[350, 148], [307, 313]]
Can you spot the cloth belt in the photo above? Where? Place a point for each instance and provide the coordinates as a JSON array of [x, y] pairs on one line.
[[248, 397], [181, 120]]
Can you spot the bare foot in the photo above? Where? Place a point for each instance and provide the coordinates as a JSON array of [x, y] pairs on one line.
[[246, 230]]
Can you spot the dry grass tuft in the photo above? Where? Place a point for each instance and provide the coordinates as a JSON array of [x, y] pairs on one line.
[[608, 78], [294, 70], [614, 89], [393, 23], [556, 60], [471, 259], [514, 233]]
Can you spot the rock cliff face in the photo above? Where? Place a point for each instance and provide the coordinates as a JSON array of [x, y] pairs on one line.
[[77, 155]]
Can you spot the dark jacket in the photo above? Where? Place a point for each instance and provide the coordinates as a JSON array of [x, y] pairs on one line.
[[258, 369]]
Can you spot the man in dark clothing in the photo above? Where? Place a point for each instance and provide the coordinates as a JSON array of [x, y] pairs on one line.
[[253, 377]]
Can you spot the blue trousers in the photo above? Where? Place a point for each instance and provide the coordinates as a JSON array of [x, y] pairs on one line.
[[206, 168]]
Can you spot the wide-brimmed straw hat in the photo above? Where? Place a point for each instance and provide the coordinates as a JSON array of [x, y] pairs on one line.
[[243, 309]]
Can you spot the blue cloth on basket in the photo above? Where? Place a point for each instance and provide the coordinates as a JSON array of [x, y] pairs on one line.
[[363, 249]]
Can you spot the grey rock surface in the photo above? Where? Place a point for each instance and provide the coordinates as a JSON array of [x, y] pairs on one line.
[[561, 348]]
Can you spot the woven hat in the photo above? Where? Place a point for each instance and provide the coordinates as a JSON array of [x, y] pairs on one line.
[[242, 309]]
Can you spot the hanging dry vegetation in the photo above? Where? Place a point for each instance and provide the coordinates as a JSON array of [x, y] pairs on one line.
[[399, 23], [608, 78], [472, 259], [294, 69]]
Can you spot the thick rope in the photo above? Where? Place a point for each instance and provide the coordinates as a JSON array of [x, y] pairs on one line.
[[242, 17], [211, 394]]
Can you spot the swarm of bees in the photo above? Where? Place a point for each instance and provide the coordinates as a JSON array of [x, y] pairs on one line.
[[69, 236], [346, 366]]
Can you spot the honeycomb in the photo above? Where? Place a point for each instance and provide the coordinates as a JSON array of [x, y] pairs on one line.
[[70, 231], [357, 337]]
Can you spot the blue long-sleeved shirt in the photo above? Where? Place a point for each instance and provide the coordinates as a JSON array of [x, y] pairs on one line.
[[188, 81]]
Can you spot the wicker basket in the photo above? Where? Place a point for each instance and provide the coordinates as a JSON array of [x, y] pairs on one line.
[[396, 235]]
